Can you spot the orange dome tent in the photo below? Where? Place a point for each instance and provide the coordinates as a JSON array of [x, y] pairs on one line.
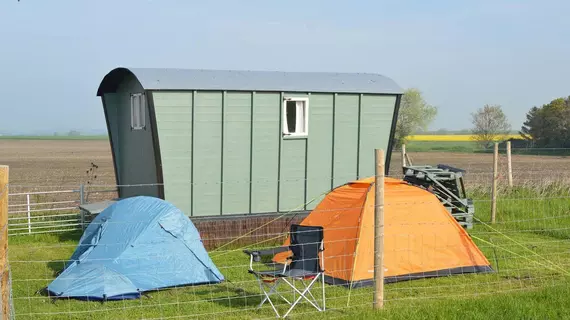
[[421, 238]]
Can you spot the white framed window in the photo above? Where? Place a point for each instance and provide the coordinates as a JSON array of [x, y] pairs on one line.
[[138, 109], [295, 116]]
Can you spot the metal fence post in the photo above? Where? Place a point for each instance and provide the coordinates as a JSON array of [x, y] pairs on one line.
[[82, 194], [29, 213], [82, 202]]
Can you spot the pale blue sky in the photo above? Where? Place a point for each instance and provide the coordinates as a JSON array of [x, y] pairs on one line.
[[461, 54]]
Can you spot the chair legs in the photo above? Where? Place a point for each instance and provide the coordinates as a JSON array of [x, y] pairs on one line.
[[272, 290], [304, 294], [267, 298]]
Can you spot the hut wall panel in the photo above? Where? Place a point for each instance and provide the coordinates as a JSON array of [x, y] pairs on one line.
[[375, 123], [236, 153], [265, 152], [136, 157], [345, 138], [207, 154], [173, 112], [320, 147]]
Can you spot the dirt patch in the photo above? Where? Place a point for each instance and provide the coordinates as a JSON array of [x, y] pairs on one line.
[[56, 163]]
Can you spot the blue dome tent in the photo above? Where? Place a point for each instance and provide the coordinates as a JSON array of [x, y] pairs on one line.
[[137, 244]]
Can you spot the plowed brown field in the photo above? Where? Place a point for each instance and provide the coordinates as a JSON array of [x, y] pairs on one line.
[[65, 162]]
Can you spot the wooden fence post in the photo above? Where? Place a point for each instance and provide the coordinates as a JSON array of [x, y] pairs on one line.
[[379, 231], [404, 163], [408, 160], [5, 271], [495, 181], [509, 164]]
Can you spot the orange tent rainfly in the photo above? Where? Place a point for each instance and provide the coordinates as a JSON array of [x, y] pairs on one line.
[[421, 238]]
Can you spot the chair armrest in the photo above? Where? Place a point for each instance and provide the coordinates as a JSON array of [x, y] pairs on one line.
[[257, 254]]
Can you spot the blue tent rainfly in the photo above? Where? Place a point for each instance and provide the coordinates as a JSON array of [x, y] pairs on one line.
[[137, 244]]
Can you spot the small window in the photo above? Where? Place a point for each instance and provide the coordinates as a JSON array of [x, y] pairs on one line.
[[137, 111], [295, 116]]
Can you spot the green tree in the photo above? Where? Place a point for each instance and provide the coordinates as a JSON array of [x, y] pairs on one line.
[[415, 115], [489, 124], [548, 126]]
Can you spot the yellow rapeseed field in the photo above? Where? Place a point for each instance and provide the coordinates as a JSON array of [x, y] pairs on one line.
[[453, 137]]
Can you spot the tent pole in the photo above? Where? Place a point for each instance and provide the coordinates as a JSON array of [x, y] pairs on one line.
[[379, 231]]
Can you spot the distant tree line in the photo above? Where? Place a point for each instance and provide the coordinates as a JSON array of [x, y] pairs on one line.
[[70, 133], [548, 126]]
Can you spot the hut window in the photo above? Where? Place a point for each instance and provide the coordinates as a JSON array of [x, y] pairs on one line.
[[137, 111], [295, 116]]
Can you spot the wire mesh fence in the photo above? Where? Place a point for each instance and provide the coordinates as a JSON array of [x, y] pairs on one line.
[[427, 255]]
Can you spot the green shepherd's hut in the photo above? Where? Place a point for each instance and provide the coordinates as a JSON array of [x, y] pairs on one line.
[[244, 142]]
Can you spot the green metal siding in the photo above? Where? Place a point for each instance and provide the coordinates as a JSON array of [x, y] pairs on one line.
[[265, 152], [173, 112], [319, 148], [230, 146], [345, 138], [292, 175], [375, 124], [236, 153], [207, 151]]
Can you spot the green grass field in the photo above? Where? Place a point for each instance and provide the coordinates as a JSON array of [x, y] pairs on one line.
[[473, 147], [441, 146], [529, 250]]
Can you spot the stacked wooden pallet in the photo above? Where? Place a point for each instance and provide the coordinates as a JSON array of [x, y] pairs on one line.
[[447, 184]]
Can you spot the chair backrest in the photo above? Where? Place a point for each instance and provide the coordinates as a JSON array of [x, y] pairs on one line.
[[306, 242]]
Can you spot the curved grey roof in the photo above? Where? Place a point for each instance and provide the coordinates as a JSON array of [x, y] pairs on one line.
[[234, 80]]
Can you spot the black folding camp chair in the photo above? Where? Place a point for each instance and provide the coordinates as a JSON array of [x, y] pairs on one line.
[[305, 264]]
